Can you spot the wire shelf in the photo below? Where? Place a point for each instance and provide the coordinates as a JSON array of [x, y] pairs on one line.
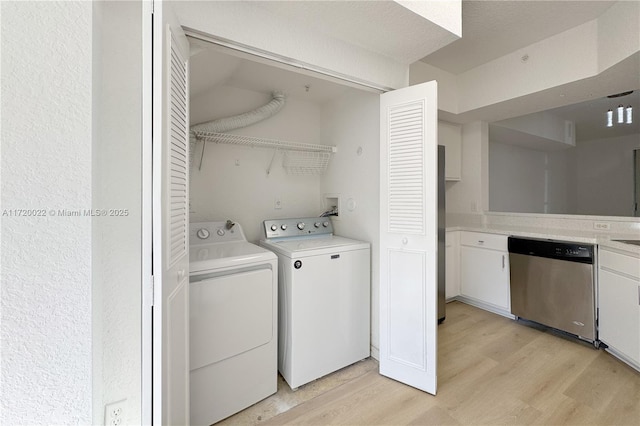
[[262, 142], [305, 163]]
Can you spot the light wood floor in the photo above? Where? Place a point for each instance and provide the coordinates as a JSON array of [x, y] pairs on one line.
[[491, 371]]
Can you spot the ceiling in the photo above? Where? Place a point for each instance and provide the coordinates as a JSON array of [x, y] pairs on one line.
[[211, 66], [490, 29], [590, 117], [383, 27]]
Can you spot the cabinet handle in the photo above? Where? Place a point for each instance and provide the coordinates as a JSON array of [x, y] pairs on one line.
[[503, 262], [480, 241], [639, 295]]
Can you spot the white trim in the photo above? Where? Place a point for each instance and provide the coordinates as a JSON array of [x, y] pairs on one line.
[[299, 66], [147, 214], [563, 216]]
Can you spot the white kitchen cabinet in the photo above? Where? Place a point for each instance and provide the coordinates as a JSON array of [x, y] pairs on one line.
[[619, 305], [484, 271], [452, 254], [450, 135]]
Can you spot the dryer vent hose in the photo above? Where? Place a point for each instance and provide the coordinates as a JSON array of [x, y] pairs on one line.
[[226, 124], [243, 120]]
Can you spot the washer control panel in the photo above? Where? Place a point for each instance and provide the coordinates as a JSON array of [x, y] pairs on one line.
[[214, 232], [297, 227]]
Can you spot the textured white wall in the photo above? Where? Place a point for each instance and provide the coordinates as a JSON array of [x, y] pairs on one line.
[[233, 183], [352, 122], [45, 332], [117, 89]]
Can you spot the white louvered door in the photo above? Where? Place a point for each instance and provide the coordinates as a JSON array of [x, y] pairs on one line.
[[408, 235], [170, 217]]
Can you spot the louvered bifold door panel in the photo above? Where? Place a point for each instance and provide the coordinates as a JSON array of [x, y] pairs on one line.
[[178, 157], [406, 169]]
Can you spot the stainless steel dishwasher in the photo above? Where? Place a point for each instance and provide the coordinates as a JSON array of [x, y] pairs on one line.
[[552, 283]]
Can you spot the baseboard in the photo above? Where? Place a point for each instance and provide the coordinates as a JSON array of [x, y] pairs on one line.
[[484, 306]]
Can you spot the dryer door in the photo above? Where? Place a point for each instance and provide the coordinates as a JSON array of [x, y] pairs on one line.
[[230, 314]]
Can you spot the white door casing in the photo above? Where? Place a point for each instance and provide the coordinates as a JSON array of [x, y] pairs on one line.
[[408, 235], [170, 219]]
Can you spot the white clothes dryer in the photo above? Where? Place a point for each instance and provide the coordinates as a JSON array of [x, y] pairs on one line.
[[324, 298], [233, 321]]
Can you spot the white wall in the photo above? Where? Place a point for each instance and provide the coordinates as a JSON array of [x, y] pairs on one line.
[[604, 176], [561, 196], [45, 331], [516, 179], [233, 182], [352, 123], [523, 180], [594, 178], [116, 248]]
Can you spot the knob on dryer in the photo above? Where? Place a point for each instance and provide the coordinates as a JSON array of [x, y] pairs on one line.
[[317, 224], [301, 225], [202, 233], [274, 227]]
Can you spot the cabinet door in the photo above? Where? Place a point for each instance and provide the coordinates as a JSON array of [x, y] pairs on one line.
[[619, 313], [450, 135], [485, 276], [452, 275]]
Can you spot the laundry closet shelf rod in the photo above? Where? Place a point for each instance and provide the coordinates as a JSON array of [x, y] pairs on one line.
[[228, 138]]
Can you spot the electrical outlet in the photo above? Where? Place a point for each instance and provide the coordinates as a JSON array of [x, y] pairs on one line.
[[114, 413], [602, 226], [277, 204]]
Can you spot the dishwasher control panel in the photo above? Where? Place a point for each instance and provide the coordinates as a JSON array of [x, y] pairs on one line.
[[553, 249]]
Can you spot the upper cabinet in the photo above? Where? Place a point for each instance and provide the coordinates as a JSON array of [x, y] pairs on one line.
[[450, 135]]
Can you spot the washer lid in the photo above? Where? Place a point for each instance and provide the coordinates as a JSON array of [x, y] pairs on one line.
[[302, 247], [209, 257]]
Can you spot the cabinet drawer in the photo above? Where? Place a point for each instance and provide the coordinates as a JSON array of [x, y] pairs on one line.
[[628, 265], [483, 240]]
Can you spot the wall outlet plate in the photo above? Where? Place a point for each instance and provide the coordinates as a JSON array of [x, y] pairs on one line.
[[114, 413], [602, 226]]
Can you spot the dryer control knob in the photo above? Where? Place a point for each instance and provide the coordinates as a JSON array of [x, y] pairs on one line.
[[202, 233], [301, 225], [274, 227], [284, 227], [325, 224], [221, 232], [317, 224]]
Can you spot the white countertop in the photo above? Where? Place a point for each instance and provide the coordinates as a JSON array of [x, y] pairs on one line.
[[603, 239]]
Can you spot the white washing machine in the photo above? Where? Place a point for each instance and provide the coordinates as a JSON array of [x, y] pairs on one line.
[[324, 298], [233, 321]]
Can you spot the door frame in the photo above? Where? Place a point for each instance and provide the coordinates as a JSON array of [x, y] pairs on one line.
[[231, 47], [147, 214]]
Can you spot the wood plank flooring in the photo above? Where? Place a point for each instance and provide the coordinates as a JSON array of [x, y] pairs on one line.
[[491, 371]]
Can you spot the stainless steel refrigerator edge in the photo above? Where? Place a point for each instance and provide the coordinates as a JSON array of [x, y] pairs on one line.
[[441, 235]]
